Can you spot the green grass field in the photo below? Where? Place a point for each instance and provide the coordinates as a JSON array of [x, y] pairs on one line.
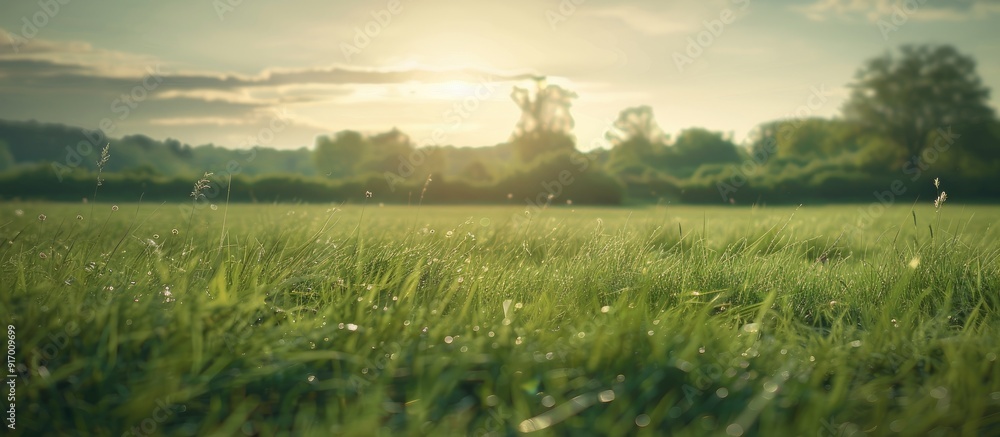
[[363, 320]]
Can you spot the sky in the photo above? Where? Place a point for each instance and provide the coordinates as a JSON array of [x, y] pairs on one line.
[[237, 73]]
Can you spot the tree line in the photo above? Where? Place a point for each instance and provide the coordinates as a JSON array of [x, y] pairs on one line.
[[913, 115]]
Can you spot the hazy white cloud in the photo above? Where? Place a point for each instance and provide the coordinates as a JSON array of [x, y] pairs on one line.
[[643, 20], [201, 121]]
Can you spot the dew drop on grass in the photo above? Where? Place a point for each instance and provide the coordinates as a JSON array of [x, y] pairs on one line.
[[605, 309], [939, 392], [770, 386], [311, 378], [548, 401], [642, 420], [734, 430], [449, 339], [606, 396]]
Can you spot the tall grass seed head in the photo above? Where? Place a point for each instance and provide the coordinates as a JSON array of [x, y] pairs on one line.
[[105, 155], [940, 200], [201, 185]]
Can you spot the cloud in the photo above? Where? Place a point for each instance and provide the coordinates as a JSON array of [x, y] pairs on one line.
[[76, 83], [60, 71], [643, 20], [873, 10], [79, 63], [200, 121]]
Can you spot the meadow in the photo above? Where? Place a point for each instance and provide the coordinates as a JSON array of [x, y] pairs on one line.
[[362, 319]]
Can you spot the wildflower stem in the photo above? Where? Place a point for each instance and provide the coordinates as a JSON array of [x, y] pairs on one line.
[[225, 214]]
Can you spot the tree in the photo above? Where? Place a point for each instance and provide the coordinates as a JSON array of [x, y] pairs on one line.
[[546, 124], [636, 124], [6, 158], [637, 141], [476, 171], [697, 146], [337, 157], [814, 138], [386, 151], [908, 98]]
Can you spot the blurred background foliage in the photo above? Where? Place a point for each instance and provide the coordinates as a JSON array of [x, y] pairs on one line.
[[914, 115]]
